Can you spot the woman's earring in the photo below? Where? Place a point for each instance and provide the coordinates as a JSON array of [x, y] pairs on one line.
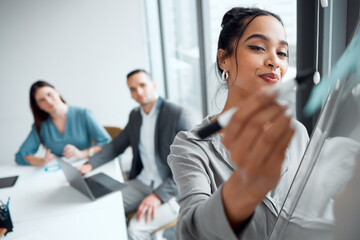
[[224, 75]]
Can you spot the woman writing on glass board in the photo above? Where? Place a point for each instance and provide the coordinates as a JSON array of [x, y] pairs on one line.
[[232, 184]]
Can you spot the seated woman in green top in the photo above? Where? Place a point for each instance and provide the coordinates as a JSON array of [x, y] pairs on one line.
[[64, 130]]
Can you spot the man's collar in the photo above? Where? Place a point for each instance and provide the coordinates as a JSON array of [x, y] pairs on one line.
[[154, 108]]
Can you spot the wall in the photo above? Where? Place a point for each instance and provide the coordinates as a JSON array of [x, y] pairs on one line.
[[84, 47]]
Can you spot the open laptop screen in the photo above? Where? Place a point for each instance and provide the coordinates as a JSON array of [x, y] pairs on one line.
[[93, 187]]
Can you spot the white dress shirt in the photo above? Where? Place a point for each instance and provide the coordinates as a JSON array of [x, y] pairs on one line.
[[149, 175]]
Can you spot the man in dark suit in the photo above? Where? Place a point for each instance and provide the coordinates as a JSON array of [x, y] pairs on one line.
[[150, 131]]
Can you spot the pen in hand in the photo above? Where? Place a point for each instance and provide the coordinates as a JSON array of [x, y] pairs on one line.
[[283, 90]]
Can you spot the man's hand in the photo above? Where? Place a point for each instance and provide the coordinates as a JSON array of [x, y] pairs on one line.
[[72, 151], [84, 169], [148, 207]]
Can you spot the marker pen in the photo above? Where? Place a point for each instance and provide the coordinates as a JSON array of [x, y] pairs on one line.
[[283, 88]]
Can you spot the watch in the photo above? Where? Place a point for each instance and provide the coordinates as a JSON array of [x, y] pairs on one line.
[[91, 152]]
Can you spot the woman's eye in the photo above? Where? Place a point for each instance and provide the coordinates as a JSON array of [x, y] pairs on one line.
[[256, 48], [282, 54]]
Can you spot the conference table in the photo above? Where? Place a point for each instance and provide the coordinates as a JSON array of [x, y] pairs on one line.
[[44, 206]]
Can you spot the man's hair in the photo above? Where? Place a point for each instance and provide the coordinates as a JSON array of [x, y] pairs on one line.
[[138, 71]]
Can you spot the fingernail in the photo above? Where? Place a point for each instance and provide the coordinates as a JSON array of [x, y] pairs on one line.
[[292, 123], [282, 102], [289, 112]]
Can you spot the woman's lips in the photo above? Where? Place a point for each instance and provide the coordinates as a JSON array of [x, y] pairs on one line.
[[270, 77]]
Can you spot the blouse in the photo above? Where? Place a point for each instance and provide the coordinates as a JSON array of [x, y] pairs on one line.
[[81, 128]]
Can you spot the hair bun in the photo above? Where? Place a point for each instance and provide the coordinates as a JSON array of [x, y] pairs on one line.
[[235, 13], [227, 17]]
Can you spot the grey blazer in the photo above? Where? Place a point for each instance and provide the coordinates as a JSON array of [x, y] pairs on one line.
[[171, 119], [202, 166]]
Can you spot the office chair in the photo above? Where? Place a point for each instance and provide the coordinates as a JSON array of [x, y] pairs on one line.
[[158, 233], [113, 131]]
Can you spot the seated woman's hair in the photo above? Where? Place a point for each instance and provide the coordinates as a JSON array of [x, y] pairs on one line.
[[39, 115]]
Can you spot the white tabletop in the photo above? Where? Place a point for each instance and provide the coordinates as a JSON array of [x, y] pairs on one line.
[[44, 206]]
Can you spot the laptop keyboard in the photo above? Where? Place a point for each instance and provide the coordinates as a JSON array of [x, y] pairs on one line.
[[96, 188]]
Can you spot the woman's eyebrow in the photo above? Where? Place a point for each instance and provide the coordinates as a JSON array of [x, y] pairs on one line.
[[283, 42], [257, 36], [265, 38]]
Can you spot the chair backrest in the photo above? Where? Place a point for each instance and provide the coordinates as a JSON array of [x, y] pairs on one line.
[[113, 131]]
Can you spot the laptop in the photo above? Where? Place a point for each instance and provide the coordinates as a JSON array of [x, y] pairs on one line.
[[93, 187]]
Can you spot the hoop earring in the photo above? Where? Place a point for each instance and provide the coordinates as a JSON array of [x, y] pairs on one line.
[[224, 75]]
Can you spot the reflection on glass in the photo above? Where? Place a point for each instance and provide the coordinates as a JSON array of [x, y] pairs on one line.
[[320, 203]]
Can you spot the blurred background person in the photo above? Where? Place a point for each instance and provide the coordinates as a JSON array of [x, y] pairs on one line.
[[151, 129], [64, 130]]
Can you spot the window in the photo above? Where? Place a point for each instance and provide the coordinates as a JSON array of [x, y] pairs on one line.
[[188, 33], [181, 52]]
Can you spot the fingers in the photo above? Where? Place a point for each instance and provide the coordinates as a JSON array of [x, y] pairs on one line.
[[149, 213], [265, 120], [272, 167], [270, 137], [241, 143], [278, 155], [141, 211], [69, 151], [148, 206], [153, 213], [84, 169], [48, 157], [66, 151], [255, 102], [247, 109], [146, 209], [257, 140], [67, 147], [48, 153]]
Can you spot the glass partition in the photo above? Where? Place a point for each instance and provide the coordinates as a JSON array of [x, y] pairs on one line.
[[322, 202]]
